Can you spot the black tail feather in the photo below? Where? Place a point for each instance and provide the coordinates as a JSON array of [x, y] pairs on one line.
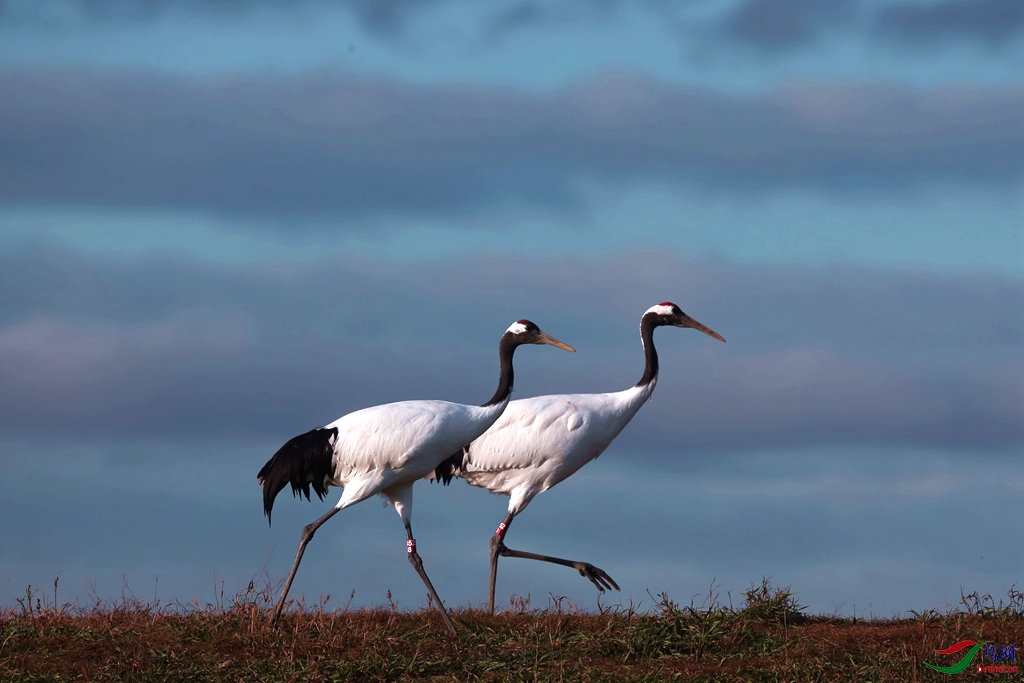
[[450, 466], [303, 461]]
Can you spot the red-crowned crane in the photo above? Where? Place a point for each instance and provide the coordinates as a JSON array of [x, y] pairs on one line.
[[384, 449], [537, 442]]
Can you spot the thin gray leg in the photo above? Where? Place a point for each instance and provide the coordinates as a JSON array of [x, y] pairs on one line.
[[596, 575], [417, 564], [307, 536]]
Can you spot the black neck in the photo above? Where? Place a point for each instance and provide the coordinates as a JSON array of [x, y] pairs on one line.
[[647, 325], [505, 350]]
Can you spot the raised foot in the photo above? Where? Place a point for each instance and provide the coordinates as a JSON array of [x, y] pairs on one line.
[[597, 576]]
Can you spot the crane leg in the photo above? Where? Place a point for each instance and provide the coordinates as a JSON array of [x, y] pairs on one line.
[[307, 536], [417, 563], [497, 543], [596, 575]]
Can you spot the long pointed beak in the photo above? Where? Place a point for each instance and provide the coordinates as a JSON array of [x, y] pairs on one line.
[[690, 322], [545, 338]]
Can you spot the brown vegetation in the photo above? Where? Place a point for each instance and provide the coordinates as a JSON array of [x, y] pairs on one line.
[[767, 639]]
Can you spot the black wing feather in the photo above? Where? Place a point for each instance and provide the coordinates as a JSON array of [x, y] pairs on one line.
[[450, 466], [303, 461]]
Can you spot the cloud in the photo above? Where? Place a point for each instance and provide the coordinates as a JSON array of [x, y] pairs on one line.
[[781, 25], [388, 17], [774, 28], [382, 18], [69, 12], [991, 22], [528, 15], [157, 346], [336, 144], [808, 397]]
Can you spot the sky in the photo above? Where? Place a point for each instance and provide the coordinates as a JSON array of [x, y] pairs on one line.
[[225, 223]]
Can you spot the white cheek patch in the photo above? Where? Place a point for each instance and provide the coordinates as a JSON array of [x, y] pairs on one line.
[[661, 309], [516, 328]]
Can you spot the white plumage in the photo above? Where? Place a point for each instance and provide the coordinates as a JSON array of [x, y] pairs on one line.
[[385, 449], [538, 442]]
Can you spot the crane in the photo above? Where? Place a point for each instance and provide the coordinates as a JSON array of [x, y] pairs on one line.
[[538, 442], [384, 449]]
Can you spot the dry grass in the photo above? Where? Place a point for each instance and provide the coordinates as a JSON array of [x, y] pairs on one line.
[[768, 638]]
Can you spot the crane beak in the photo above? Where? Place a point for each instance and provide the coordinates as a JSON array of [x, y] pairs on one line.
[[545, 338], [690, 322]]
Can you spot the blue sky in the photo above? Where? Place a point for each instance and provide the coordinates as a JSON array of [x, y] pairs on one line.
[[223, 223]]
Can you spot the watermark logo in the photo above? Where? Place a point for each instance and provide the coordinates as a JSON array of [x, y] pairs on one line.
[[994, 659]]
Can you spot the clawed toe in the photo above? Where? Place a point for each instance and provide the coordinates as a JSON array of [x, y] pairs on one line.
[[597, 576]]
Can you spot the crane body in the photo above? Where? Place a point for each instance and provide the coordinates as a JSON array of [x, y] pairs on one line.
[[383, 450], [543, 440], [538, 442]]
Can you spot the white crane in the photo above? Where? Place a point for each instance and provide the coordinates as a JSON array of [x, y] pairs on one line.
[[384, 449], [537, 442]]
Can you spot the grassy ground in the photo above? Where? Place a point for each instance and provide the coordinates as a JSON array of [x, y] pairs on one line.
[[768, 638]]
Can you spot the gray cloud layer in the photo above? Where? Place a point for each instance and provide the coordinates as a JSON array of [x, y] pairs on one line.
[[779, 25], [90, 346], [773, 26], [335, 144], [992, 22]]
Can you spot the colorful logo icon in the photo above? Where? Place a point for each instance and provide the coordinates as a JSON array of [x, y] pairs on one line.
[[963, 663], [999, 658]]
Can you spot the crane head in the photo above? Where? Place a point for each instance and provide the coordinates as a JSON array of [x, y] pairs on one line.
[[667, 313], [526, 332]]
